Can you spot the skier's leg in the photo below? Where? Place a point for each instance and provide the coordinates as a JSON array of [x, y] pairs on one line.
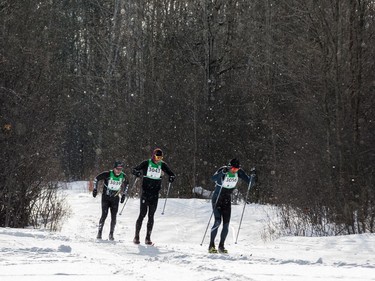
[[105, 206], [114, 210], [214, 229], [224, 232], [138, 224], [150, 223]]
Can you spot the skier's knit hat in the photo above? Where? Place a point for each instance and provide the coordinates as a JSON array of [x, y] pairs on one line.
[[234, 163], [118, 164], [157, 152]]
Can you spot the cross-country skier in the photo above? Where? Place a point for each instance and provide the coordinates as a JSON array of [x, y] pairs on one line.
[[226, 179], [152, 172], [115, 184]]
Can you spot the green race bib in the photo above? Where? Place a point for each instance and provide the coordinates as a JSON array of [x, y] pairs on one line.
[[230, 180], [114, 183], [153, 170]]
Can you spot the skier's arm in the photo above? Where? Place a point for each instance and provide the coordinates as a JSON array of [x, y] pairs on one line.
[[140, 169], [166, 169], [101, 176], [98, 178], [125, 185], [219, 174], [245, 177], [242, 175]]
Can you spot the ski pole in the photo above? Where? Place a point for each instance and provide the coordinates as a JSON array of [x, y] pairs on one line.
[[244, 205], [127, 197], [165, 202], [213, 209]]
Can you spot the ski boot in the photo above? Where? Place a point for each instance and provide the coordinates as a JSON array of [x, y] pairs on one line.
[[148, 235], [222, 250], [111, 238], [212, 249], [136, 240]]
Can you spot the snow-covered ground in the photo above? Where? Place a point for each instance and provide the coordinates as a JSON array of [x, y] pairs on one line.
[[74, 253]]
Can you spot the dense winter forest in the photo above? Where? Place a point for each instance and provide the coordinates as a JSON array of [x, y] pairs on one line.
[[286, 86]]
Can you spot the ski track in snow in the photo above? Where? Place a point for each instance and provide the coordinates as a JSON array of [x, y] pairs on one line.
[[28, 254]]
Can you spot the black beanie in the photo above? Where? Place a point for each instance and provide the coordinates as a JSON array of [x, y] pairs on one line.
[[234, 163], [157, 152], [118, 164]]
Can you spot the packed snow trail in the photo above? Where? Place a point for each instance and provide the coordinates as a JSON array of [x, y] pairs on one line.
[[75, 254]]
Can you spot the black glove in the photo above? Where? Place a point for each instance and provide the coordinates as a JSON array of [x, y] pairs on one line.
[[171, 178], [94, 192], [122, 198], [253, 172], [137, 173], [225, 170]]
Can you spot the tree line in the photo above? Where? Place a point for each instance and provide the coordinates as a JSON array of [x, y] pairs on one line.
[[285, 86]]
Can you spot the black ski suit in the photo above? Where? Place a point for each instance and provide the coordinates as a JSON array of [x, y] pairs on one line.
[[149, 195], [222, 205], [110, 198]]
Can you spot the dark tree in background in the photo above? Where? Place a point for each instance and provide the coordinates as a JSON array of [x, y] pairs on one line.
[[286, 86], [32, 127]]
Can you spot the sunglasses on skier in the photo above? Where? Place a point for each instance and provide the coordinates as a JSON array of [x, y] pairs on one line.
[[158, 157]]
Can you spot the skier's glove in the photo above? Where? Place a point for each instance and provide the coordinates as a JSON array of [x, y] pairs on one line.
[[171, 178], [253, 172], [94, 192], [122, 198], [225, 170], [137, 173]]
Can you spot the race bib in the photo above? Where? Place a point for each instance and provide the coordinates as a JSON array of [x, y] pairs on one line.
[[114, 183], [230, 181], [153, 170]]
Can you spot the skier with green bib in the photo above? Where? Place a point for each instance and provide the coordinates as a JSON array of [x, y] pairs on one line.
[[152, 172], [115, 184], [226, 179]]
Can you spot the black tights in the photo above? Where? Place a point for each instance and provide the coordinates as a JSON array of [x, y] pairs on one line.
[[112, 205], [150, 207], [220, 213]]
